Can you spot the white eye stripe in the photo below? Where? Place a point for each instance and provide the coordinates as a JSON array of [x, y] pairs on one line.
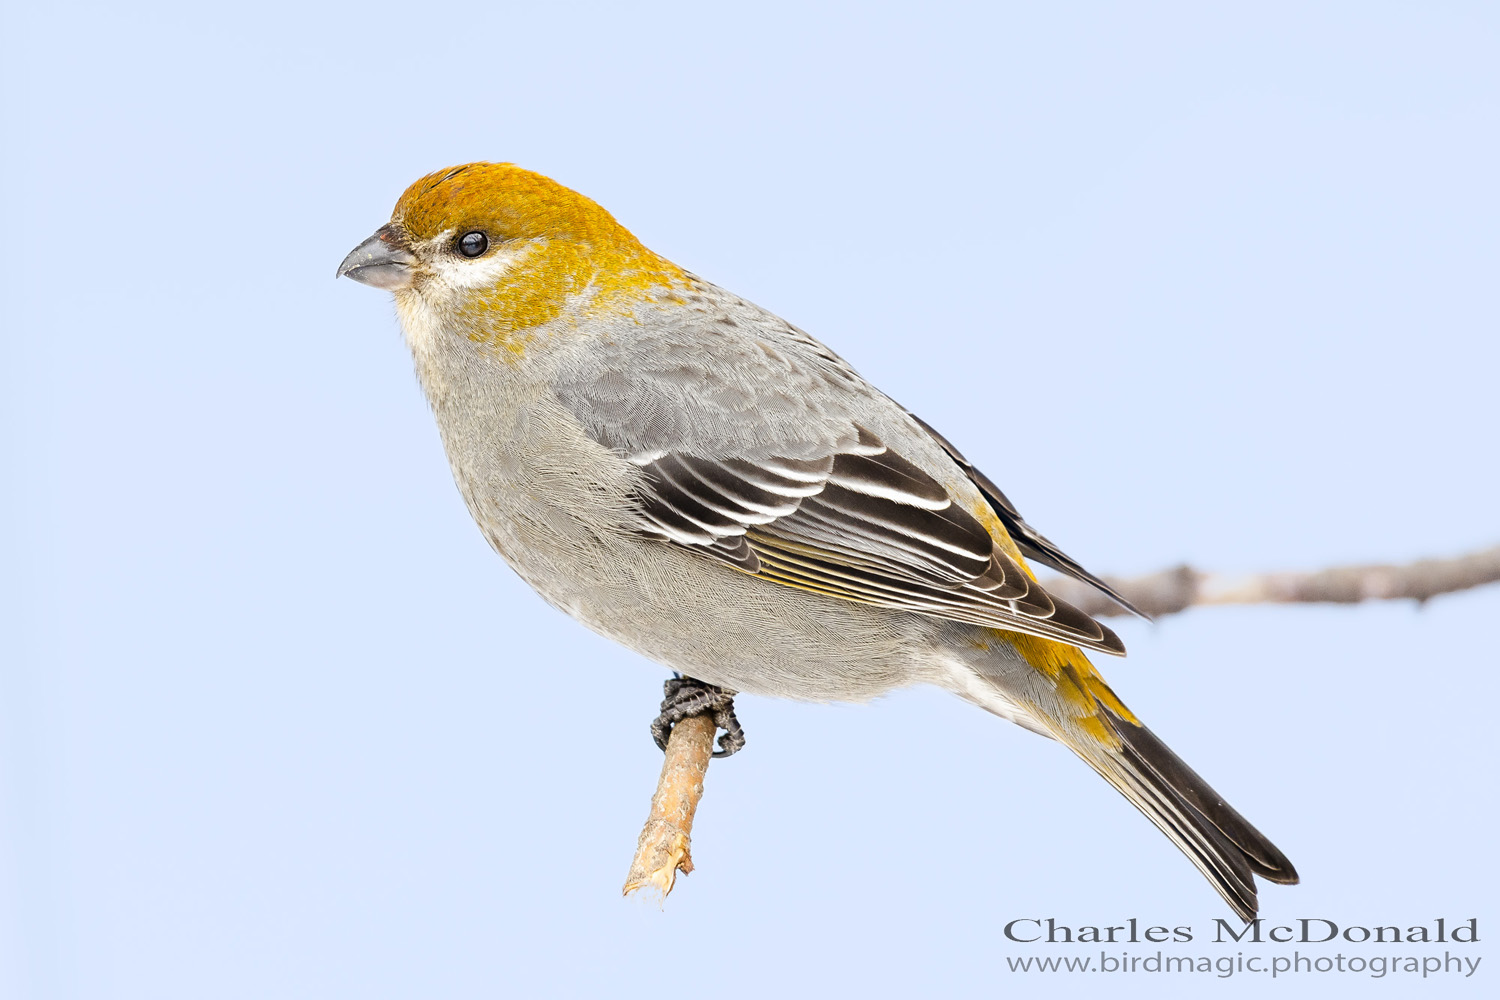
[[458, 272]]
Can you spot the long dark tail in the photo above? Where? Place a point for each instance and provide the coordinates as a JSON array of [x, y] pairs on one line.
[[1216, 838]]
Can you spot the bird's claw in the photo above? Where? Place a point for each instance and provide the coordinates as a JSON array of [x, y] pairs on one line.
[[687, 697]]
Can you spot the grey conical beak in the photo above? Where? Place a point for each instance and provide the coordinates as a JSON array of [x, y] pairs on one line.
[[382, 261]]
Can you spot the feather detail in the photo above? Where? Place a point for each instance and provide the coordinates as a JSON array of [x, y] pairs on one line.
[[1087, 717], [1031, 542], [862, 524]]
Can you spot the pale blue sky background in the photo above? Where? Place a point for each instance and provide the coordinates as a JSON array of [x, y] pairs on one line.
[[1189, 284]]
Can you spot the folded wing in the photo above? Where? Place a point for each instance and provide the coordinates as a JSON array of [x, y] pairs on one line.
[[861, 523], [1032, 543]]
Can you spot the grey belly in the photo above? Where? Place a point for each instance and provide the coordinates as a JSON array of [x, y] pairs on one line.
[[709, 621]]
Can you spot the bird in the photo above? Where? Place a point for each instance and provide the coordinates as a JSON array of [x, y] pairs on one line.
[[712, 487]]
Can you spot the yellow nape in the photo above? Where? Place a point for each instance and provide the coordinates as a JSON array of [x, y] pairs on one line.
[[565, 247]]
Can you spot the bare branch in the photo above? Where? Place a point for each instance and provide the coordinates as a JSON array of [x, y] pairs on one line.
[[1173, 590], [662, 850]]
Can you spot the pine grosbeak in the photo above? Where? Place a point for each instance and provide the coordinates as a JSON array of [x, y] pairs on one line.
[[703, 482]]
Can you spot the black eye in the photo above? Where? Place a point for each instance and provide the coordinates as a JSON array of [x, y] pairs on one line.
[[473, 244]]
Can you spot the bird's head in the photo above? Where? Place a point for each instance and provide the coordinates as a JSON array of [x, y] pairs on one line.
[[495, 251]]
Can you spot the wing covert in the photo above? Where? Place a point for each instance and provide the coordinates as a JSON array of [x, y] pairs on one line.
[[863, 524], [1031, 542]]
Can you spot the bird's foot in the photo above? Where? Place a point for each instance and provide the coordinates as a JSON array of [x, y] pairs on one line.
[[686, 697]]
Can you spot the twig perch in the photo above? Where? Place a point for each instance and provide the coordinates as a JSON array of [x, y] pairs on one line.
[[663, 850], [1172, 590]]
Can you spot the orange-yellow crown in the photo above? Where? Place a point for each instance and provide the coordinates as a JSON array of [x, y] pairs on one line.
[[567, 252], [506, 202]]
